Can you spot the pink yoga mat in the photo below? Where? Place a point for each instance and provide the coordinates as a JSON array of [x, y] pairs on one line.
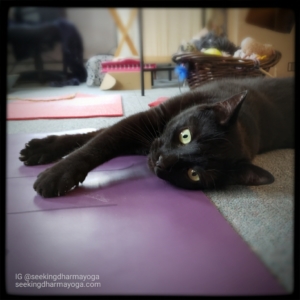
[[82, 106], [128, 232]]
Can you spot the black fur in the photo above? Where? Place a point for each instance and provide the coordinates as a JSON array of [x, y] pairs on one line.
[[229, 121]]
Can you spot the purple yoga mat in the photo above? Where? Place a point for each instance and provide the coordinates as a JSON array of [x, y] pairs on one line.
[[126, 231]]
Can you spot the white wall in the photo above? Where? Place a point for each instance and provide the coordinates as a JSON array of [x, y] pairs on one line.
[[97, 29]]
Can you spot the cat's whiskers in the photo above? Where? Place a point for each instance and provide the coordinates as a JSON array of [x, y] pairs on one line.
[[163, 121], [160, 125], [213, 180], [157, 130], [147, 140], [211, 172], [152, 133]]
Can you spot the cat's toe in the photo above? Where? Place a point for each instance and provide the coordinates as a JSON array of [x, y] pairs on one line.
[[24, 152], [22, 158], [46, 185], [32, 160], [56, 181], [39, 151]]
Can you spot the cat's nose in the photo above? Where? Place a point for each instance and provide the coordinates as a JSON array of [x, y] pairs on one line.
[[163, 164], [159, 162], [160, 168]]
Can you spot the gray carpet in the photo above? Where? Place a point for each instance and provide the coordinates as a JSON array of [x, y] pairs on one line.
[[263, 216]]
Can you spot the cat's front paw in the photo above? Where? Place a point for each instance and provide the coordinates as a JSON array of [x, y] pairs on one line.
[[40, 151], [58, 180]]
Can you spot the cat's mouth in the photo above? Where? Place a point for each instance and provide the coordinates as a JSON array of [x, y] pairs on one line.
[[161, 166]]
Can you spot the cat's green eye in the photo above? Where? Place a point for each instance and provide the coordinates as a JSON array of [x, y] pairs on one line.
[[185, 136], [193, 175]]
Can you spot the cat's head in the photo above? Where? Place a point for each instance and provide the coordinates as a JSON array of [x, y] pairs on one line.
[[203, 147]]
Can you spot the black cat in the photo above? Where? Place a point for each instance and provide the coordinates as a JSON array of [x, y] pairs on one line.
[[205, 138]]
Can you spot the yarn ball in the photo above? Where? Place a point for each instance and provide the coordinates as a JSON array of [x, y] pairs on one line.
[[213, 51]]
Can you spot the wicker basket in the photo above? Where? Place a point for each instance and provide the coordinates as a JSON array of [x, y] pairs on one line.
[[205, 67]]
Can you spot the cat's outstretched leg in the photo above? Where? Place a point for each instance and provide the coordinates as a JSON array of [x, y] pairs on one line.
[[53, 147], [130, 136]]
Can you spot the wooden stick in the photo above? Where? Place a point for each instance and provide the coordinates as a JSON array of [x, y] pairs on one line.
[[124, 30]]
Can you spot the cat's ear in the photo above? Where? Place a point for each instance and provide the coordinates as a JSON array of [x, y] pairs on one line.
[[249, 174], [227, 111]]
